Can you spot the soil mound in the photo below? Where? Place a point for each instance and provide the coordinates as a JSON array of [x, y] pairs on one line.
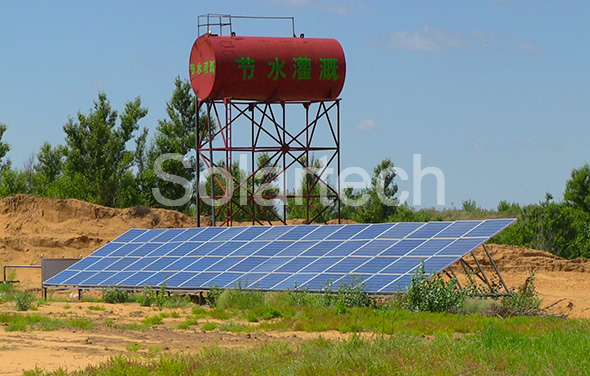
[[32, 226], [512, 258]]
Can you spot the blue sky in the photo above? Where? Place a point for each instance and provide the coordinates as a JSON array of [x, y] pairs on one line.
[[493, 93]]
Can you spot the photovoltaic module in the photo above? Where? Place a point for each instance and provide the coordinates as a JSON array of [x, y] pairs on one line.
[[383, 257]]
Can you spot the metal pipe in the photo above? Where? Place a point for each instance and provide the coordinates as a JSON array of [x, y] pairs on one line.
[[209, 135], [197, 159], [17, 267]]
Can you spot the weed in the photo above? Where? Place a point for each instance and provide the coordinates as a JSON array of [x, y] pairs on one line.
[[155, 349], [240, 299], [153, 320], [133, 346], [7, 289], [233, 327], [81, 323], [17, 325], [208, 326], [199, 311], [252, 317], [264, 313], [95, 308], [220, 314], [183, 325]]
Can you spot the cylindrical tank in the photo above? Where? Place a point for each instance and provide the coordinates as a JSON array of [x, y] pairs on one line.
[[266, 68]]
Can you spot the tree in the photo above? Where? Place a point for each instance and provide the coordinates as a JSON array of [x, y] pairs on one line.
[[4, 146], [554, 227], [577, 188], [50, 162], [379, 202], [176, 135], [96, 155]]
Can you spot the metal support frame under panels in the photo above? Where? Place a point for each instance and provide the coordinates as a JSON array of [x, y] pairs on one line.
[[493, 282], [237, 133]]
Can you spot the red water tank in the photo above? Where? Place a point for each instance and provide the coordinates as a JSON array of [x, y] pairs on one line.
[[266, 68]]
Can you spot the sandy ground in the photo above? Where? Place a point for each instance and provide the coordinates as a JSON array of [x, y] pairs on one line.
[[34, 226], [73, 349]]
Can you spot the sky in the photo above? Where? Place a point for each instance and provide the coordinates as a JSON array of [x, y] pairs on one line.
[[494, 94]]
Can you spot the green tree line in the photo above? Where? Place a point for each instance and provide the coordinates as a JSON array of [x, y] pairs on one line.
[[107, 159]]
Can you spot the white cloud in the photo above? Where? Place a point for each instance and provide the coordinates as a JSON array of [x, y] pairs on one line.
[[342, 7], [432, 39], [426, 39], [367, 125]]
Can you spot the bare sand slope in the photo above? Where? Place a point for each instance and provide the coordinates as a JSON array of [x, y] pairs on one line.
[[32, 226]]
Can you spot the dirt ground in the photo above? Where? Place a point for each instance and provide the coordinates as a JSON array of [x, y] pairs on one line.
[[75, 348], [33, 226]]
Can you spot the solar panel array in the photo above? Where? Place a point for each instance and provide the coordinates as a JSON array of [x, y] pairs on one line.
[[384, 256]]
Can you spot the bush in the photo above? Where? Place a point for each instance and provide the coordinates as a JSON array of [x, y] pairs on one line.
[[24, 300], [240, 299], [6, 290], [212, 296], [525, 298], [350, 293], [479, 305], [114, 294], [558, 228], [433, 294], [148, 297]]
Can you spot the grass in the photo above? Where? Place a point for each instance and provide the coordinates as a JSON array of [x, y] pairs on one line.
[[494, 349], [96, 308], [382, 339], [22, 322], [153, 320], [208, 326]]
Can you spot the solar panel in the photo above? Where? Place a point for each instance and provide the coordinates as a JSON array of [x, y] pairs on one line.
[[383, 256]]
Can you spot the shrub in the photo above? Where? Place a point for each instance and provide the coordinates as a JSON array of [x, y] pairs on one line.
[[479, 305], [433, 294], [6, 290], [351, 293], [558, 228], [114, 294], [24, 300], [525, 298], [212, 296], [147, 298], [240, 299]]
